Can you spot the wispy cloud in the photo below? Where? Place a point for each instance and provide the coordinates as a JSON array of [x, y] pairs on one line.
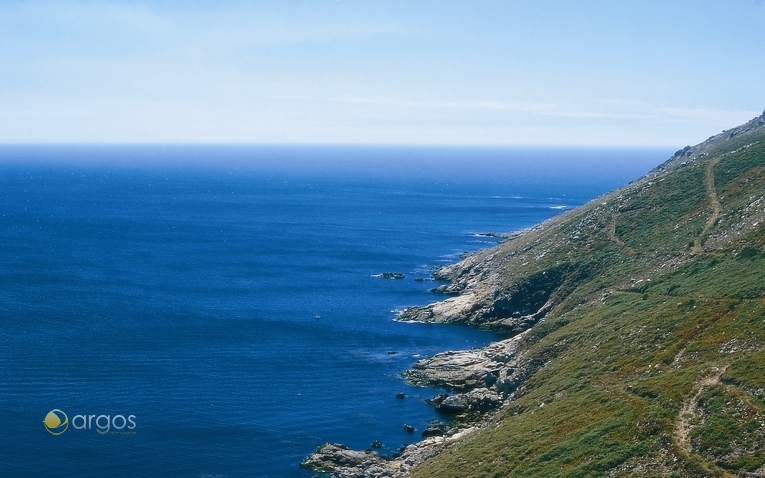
[[619, 110]]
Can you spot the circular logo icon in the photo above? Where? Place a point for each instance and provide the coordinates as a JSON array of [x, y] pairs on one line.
[[56, 422]]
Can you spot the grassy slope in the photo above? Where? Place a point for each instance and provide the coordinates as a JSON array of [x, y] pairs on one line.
[[659, 377]]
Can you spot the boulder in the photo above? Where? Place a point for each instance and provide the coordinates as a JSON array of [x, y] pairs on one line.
[[436, 401], [482, 400], [454, 404], [466, 369], [434, 431]]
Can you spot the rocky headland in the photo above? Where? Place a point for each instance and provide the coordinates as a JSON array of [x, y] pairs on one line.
[[635, 243]]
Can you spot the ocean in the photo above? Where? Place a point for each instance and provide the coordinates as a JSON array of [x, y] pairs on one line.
[[217, 311]]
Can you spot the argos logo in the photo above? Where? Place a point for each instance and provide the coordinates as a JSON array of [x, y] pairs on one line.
[[57, 422]]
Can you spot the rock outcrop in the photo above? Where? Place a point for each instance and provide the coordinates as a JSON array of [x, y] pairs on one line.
[[345, 463], [497, 367], [482, 379], [494, 297], [583, 257]]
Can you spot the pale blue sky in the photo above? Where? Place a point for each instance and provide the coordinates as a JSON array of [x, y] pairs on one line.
[[536, 72]]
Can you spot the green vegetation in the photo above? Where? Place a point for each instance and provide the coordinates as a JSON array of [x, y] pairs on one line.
[[652, 360], [730, 430]]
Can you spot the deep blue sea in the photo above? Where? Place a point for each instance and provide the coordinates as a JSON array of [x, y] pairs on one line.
[[165, 298]]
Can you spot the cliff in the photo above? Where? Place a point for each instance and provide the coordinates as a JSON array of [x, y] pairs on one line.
[[637, 333]]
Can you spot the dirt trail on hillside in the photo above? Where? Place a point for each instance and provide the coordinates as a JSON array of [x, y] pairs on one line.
[[709, 185], [688, 411], [616, 240]]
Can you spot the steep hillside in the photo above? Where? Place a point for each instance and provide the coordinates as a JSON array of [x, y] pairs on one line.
[[646, 311], [637, 327]]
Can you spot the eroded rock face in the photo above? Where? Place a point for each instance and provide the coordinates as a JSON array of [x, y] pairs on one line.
[[497, 367], [483, 400], [454, 404], [452, 310], [477, 400], [493, 298]]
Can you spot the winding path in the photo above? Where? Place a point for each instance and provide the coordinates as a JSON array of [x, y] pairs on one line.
[[615, 239], [681, 434], [709, 184], [714, 200]]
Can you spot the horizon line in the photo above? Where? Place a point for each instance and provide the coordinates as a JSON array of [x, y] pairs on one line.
[[339, 145]]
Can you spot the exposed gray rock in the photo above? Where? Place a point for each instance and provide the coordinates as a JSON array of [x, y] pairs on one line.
[[493, 366], [436, 401], [482, 400], [491, 297], [434, 431], [454, 404], [332, 455], [477, 400], [340, 462]]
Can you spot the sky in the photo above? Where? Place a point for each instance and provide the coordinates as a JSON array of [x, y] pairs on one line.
[[481, 72]]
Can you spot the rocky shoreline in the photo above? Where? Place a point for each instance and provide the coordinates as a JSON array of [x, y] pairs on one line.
[[341, 462], [480, 381], [580, 258], [490, 288], [483, 380]]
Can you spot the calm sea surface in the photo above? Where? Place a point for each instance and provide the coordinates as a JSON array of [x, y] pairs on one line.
[[181, 286]]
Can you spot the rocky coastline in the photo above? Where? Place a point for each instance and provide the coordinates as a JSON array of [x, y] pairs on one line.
[[567, 271], [478, 381], [481, 381], [510, 289], [578, 259]]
